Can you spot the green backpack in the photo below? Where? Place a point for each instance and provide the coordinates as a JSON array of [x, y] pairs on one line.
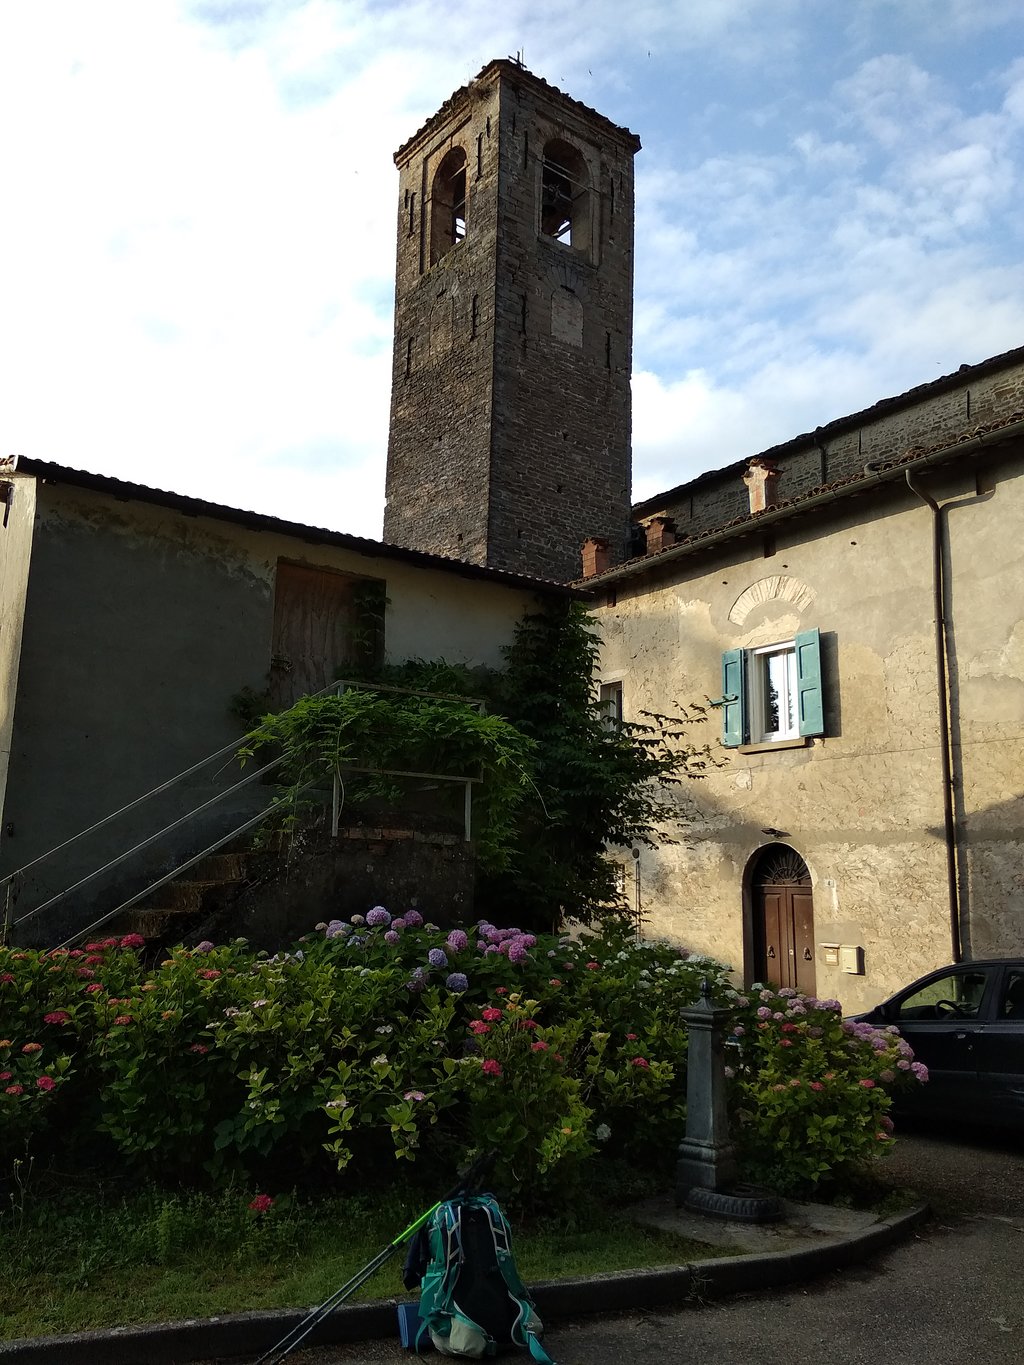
[[471, 1297]]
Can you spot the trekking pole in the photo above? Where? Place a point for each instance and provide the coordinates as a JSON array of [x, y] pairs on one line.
[[298, 1334]]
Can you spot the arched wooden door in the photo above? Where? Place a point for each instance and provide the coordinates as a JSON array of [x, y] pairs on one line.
[[783, 919]]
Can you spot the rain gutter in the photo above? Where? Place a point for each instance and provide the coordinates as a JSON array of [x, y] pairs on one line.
[[942, 695]]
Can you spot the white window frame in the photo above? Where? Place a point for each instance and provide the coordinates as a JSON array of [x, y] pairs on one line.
[[757, 691], [609, 696]]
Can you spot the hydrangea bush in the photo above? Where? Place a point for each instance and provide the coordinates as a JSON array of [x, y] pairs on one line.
[[811, 1091], [382, 1037]]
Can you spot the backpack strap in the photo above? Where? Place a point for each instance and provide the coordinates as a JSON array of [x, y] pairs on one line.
[[439, 1281], [524, 1329]]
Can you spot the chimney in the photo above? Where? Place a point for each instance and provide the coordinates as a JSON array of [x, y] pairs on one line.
[[661, 533], [762, 480], [596, 557]]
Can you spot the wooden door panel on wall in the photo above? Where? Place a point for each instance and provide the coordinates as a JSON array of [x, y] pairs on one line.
[[782, 905], [774, 939], [803, 939], [313, 627]]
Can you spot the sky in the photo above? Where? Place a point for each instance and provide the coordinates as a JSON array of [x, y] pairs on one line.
[[198, 238]]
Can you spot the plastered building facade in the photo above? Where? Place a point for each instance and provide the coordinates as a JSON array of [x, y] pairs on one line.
[[130, 618], [823, 852]]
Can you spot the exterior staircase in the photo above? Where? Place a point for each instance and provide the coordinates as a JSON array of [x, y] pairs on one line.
[[177, 907]]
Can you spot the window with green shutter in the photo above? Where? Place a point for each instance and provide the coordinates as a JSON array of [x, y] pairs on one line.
[[772, 693]]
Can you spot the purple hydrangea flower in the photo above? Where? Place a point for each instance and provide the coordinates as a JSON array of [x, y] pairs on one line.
[[457, 941], [205, 947], [481, 945], [416, 981], [413, 918], [378, 916], [517, 952], [457, 981], [392, 938], [437, 957], [398, 924], [336, 929]]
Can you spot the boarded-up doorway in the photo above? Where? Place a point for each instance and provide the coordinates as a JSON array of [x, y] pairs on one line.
[[320, 625], [782, 909]]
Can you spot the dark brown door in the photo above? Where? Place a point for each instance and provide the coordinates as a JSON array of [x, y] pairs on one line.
[[783, 911], [313, 627]]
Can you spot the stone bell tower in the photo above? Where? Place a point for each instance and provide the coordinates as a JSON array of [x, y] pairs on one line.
[[510, 402]]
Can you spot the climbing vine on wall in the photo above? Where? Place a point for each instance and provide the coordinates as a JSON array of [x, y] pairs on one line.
[[592, 784]]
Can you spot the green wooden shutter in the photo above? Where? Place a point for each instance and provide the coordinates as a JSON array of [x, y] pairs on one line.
[[734, 706], [811, 708]]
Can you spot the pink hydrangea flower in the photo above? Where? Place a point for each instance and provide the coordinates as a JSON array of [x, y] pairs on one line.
[[45, 1083], [490, 1067], [641, 1062], [490, 1014], [261, 1203]]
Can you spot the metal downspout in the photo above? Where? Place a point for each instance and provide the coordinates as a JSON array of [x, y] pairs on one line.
[[949, 818]]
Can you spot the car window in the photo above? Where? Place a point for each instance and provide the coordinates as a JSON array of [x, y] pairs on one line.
[[1012, 1004], [957, 995]]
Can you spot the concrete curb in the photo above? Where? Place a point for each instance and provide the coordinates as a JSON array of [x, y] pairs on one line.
[[250, 1334]]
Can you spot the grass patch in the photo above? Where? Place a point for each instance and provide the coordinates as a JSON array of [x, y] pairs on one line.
[[83, 1258]]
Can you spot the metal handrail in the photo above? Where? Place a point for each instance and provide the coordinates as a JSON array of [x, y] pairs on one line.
[[167, 829], [170, 876], [157, 791], [338, 687]]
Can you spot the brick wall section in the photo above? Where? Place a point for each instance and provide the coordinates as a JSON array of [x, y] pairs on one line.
[[512, 447], [925, 417]]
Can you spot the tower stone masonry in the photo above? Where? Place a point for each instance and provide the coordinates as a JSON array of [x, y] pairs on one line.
[[510, 406]]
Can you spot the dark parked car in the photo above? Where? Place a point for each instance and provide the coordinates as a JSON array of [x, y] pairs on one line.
[[966, 1023]]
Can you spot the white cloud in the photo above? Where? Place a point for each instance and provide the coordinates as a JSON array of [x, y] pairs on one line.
[[199, 253]]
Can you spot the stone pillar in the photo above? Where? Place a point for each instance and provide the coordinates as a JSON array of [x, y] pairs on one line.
[[707, 1158]]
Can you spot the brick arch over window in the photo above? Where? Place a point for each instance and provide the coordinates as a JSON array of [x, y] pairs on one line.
[[565, 196], [776, 588], [448, 204]]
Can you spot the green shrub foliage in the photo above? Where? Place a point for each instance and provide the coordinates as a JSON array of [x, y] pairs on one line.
[[578, 785], [381, 1040]]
